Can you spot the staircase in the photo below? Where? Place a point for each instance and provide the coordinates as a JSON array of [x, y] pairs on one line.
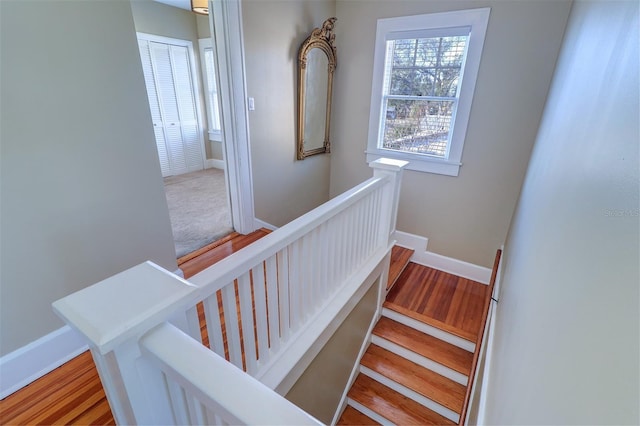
[[418, 366]]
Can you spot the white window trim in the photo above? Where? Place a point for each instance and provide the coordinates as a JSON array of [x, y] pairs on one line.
[[477, 19], [214, 135]]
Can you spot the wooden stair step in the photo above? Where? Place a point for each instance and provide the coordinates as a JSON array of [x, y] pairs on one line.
[[431, 321], [351, 416], [400, 257], [453, 357], [425, 382], [392, 405]]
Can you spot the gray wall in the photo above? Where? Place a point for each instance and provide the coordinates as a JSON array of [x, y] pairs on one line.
[[319, 389], [284, 188], [156, 18], [566, 341], [464, 217], [81, 191]]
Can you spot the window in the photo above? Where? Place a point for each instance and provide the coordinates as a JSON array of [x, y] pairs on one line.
[[211, 89], [425, 69]]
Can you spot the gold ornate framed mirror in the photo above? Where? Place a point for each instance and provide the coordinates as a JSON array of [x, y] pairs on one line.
[[316, 65]]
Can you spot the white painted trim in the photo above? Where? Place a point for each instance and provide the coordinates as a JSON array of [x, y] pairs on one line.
[[262, 224], [430, 330], [225, 23], [411, 241], [443, 263], [411, 394], [420, 360], [477, 21], [28, 363], [368, 412], [179, 273], [212, 163]]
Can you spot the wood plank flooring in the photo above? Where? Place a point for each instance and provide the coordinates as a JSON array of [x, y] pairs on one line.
[[446, 301], [73, 393]]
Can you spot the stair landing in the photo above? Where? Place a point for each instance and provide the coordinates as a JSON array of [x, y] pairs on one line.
[[445, 301]]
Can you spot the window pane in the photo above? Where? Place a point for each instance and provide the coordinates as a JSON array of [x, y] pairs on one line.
[[420, 127], [425, 66], [214, 113]]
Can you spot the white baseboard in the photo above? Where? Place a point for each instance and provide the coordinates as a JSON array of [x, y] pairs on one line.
[[179, 273], [412, 241], [30, 362], [437, 261], [262, 224], [210, 163]]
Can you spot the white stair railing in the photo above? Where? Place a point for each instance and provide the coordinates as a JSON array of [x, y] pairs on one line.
[[264, 308]]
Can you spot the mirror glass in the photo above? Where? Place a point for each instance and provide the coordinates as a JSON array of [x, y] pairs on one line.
[[315, 108]]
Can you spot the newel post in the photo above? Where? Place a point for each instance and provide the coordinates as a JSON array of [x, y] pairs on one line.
[[113, 315], [393, 169]]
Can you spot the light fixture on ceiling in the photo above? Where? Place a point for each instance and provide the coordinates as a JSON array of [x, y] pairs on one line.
[[200, 6]]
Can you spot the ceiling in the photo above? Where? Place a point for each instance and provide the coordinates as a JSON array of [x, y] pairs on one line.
[[182, 4]]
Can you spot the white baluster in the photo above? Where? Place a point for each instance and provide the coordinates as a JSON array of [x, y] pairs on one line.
[[272, 299], [259, 294], [283, 293], [214, 326], [231, 325], [246, 312]]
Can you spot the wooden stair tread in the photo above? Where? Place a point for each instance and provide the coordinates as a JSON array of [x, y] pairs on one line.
[[431, 321], [351, 416], [428, 346], [400, 257], [391, 405], [425, 382]]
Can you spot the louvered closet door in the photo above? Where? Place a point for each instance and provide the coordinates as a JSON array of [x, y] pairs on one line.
[[178, 127], [154, 105], [186, 107]]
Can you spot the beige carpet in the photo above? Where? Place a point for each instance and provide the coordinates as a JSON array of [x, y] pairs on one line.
[[198, 208]]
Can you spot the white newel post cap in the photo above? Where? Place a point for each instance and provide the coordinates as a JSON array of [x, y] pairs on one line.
[[388, 164], [125, 305]]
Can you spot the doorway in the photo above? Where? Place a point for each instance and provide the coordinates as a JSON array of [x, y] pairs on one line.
[[195, 185]]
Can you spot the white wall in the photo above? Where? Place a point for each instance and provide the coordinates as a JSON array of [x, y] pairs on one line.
[[284, 188], [464, 217], [567, 336], [81, 191]]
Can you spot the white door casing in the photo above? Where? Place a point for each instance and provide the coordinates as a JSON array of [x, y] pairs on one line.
[[225, 22]]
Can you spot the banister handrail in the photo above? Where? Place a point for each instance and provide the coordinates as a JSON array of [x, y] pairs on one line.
[[267, 309]]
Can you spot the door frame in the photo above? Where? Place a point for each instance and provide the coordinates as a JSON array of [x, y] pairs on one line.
[[194, 80], [225, 23]]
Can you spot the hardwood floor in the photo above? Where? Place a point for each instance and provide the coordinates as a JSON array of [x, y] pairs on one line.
[[440, 299], [73, 393]]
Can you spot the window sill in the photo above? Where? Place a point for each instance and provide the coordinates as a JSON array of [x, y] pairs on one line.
[[417, 163], [215, 136]]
